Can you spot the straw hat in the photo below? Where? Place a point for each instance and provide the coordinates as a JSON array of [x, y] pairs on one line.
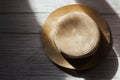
[[72, 36]]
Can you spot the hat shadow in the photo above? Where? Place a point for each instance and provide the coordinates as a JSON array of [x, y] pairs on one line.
[[87, 62], [106, 67]]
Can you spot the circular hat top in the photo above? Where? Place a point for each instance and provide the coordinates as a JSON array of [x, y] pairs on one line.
[[76, 34]]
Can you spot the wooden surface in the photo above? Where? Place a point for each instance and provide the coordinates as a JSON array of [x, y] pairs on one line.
[[21, 53]]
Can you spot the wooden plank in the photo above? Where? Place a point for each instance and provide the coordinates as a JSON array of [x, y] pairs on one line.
[[14, 6], [19, 23], [22, 57], [103, 6], [25, 67], [39, 67], [21, 53], [32, 23], [19, 41]]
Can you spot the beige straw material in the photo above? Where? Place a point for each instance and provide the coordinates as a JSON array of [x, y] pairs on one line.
[[74, 32]]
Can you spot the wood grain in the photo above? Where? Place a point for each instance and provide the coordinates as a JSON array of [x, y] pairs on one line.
[[21, 53], [28, 23], [42, 6]]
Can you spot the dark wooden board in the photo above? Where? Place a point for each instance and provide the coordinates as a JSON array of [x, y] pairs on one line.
[[21, 53], [47, 6], [27, 23]]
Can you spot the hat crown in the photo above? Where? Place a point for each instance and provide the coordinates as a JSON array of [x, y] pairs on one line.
[[76, 35]]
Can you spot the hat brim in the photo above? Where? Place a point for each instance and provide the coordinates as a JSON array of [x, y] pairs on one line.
[[56, 56]]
